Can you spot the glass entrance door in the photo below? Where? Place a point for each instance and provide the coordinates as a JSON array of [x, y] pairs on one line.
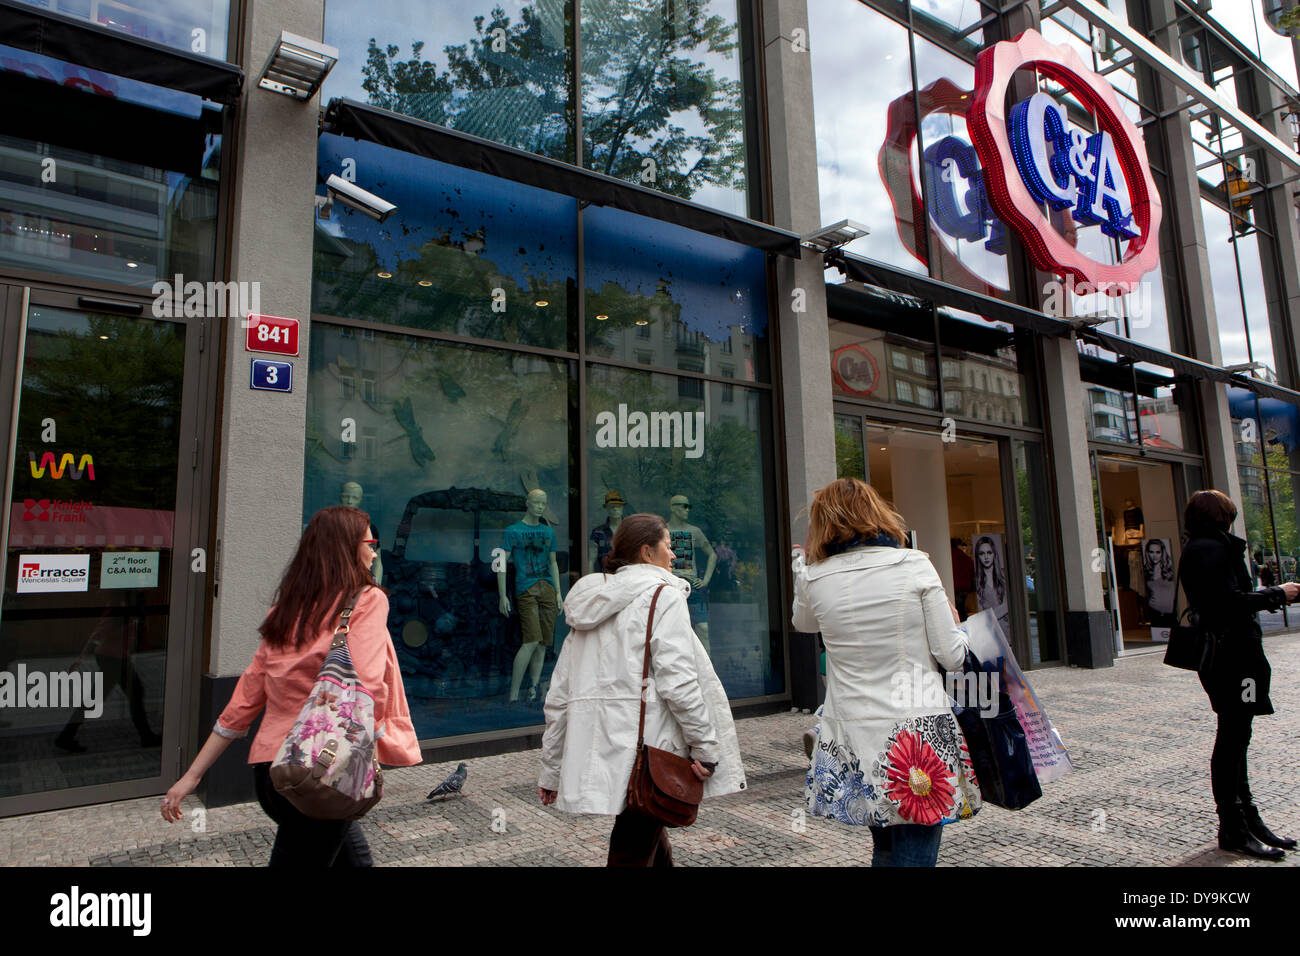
[[94, 411]]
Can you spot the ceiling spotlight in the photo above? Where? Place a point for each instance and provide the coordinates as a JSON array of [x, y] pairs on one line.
[[297, 66], [104, 337], [133, 265], [601, 318], [424, 282], [384, 275], [832, 237], [642, 321], [541, 303]]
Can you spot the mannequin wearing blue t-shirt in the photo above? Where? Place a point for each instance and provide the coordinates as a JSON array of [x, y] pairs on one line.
[[531, 546]]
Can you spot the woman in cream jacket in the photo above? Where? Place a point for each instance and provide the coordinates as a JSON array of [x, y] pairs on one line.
[[889, 753], [593, 706]]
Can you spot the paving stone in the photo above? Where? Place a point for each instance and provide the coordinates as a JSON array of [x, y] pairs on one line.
[[1139, 734]]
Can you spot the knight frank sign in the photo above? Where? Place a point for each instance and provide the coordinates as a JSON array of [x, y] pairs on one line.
[[1026, 169]]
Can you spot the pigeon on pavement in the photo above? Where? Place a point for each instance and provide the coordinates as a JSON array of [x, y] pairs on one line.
[[451, 785]]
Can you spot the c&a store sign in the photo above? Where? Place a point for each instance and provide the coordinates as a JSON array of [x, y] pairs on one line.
[[1028, 168]]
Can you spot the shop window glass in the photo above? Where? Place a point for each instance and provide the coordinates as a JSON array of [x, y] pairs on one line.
[[968, 242], [876, 343], [1240, 299], [686, 292], [704, 466], [982, 350], [194, 26], [464, 253], [663, 97], [126, 195], [849, 450], [462, 435], [852, 123], [1161, 407], [498, 69], [950, 17]]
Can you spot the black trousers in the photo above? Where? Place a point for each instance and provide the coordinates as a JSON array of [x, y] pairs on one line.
[[1228, 760], [638, 840], [301, 841]]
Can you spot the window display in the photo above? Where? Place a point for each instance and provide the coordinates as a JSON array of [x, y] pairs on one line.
[[445, 481]]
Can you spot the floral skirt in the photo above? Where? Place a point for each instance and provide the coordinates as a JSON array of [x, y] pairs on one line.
[[919, 773]]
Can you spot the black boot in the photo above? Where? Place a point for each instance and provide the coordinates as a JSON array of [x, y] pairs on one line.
[[1234, 835], [1255, 826]]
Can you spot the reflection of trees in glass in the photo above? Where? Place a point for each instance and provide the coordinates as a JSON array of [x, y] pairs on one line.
[[518, 95], [459, 300], [849, 458], [113, 388], [645, 83], [1259, 532]]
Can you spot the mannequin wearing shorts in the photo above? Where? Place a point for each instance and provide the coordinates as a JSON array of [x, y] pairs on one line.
[[531, 545]]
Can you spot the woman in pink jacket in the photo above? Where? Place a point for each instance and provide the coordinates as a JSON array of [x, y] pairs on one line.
[[331, 565]]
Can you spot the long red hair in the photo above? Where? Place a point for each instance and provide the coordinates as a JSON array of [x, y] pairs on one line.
[[323, 572]]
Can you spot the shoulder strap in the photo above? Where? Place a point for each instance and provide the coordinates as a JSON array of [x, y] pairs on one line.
[[645, 666]]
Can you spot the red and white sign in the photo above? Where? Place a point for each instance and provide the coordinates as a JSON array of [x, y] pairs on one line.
[[271, 333], [1033, 159]]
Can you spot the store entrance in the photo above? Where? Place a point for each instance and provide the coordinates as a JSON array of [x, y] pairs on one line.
[[99, 582], [955, 494], [1140, 527]]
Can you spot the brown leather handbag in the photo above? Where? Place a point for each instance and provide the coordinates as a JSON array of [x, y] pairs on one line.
[[662, 786]]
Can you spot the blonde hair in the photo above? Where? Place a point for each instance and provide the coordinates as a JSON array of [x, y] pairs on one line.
[[846, 509]]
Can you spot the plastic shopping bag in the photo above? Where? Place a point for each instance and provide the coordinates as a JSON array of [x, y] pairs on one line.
[[989, 644]]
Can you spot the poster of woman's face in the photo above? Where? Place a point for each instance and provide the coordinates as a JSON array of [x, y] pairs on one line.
[[991, 578], [1158, 572]]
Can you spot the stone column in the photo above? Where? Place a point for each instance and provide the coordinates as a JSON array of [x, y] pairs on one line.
[[805, 381], [259, 501]]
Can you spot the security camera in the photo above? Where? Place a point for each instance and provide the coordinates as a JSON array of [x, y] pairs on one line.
[[350, 194]]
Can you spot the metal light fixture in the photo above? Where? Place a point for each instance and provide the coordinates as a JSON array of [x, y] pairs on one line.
[[832, 237], [1243, 367], [297, 66]]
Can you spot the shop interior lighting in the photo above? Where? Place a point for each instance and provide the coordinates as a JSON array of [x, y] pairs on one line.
[[602, 317], [832, 237], [384, 275], [425, 282], [541, 303], [297, 66]]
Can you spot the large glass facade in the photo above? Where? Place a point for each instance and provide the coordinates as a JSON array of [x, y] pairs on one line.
[[663, 93], [448, 385]]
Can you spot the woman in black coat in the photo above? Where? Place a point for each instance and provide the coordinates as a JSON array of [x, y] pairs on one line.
[[1236, 677]]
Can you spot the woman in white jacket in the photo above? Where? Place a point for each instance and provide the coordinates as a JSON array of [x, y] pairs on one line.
[[889, 752], [594, 702]]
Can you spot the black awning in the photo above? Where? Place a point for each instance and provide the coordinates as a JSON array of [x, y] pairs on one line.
[[111, 51], [1181, 364], [941, 293], [372, 124]]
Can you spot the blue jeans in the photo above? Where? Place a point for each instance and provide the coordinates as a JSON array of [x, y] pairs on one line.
[[908, 844]]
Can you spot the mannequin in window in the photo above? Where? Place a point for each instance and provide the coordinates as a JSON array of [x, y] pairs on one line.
[[1134, 522], [602, 536], [685, 539], [350, 496], [531, 545]]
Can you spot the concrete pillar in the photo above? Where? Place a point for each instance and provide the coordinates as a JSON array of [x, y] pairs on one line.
[[259, 501], [804, 337], [805, 342]]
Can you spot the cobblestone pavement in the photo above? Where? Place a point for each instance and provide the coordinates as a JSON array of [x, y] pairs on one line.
[[1139, 734]]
